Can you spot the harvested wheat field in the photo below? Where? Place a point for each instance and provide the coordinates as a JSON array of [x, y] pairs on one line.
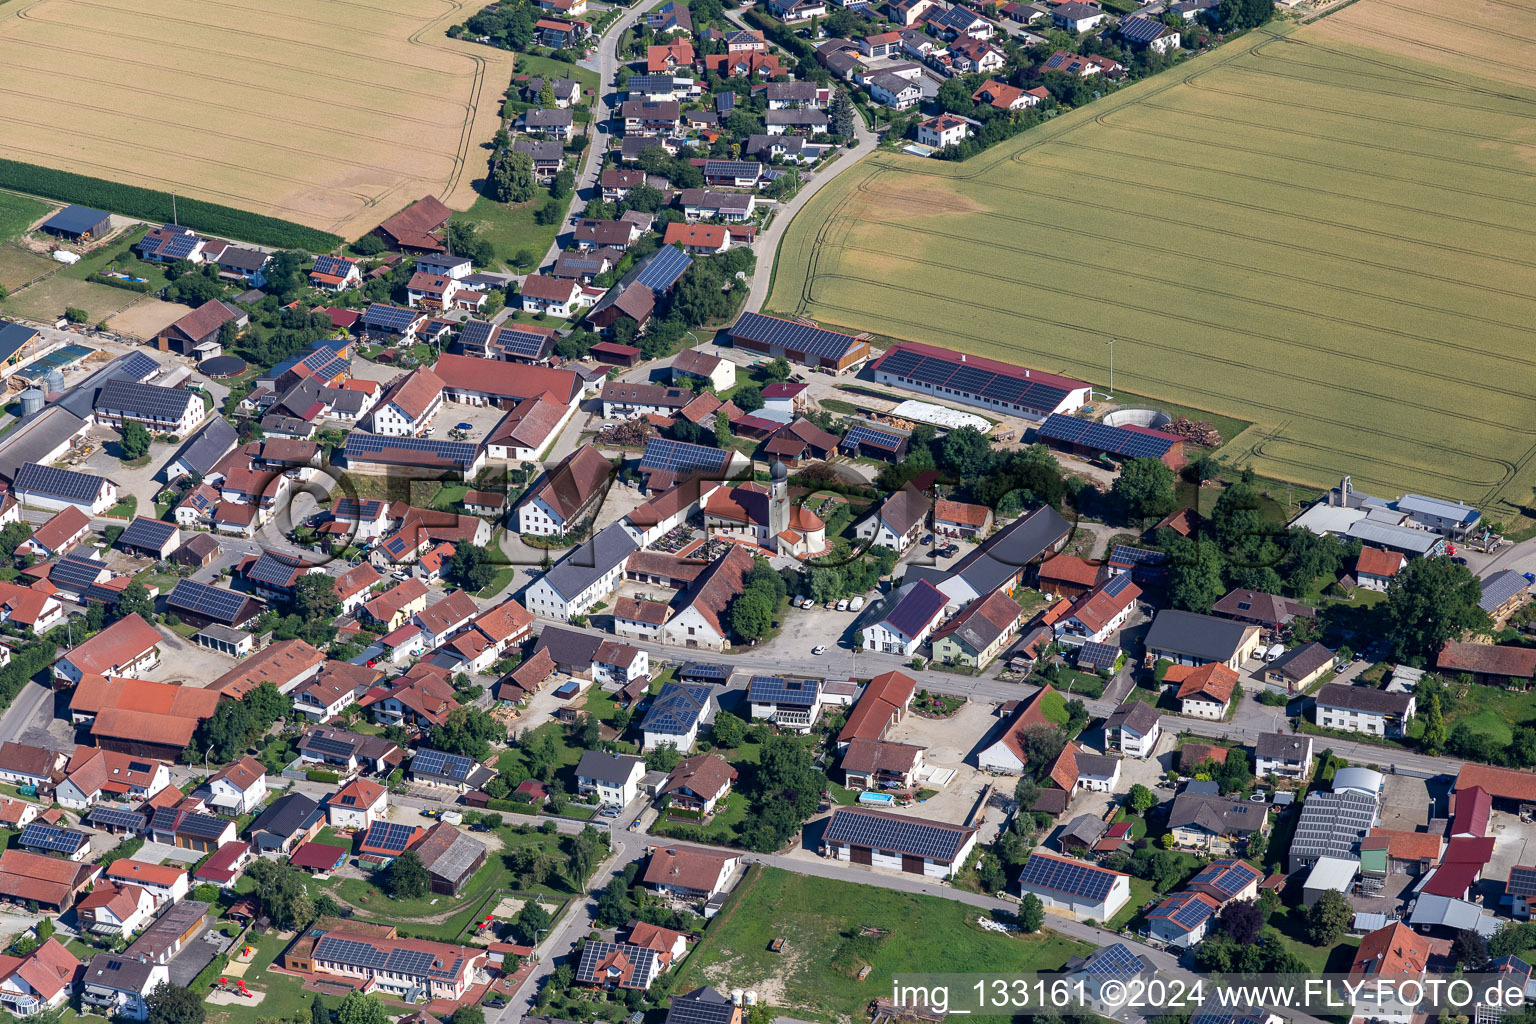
[[1331, 242], [331, 113]]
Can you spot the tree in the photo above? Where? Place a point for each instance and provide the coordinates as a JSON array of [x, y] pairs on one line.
[[368, 245], [1141, 799], [561, 184], [841, 115], [314, 596], [965, 452], [1328, 918], [408, 878], [467, 1014], [1242, 921], [955, 95], [1430, 601], [1031, 913], [172, 1004], [1026, 791], [1469, 950], [1144, 489], [547, 93], [1234, 15], [1194, 574], [1433, 740], [135, 443], [135, 600], [729, 731], [751, 614], [531, 922], [748, 398], [318, 1014], [614, 906], [11, 537], [76, 315], [282, 892], [471, 567], [470, 731], [358, 1008], [777, 370], [512, 179]]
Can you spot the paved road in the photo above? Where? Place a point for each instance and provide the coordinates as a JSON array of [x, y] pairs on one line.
[[592, 158]]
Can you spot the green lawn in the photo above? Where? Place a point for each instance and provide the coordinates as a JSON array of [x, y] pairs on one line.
[[721, 829], [548, 67], [18, 212], [124, 509], [1290, 925], [499, 582], [418, 917], [1489, 711], [283, 995], [512, 228], [815, 915], [1141, 891]]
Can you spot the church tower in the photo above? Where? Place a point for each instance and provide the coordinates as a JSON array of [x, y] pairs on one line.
[[778, 501]]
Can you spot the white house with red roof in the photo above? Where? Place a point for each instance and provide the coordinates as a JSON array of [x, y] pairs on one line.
[[410, 404], [357, 805], [42, 980]]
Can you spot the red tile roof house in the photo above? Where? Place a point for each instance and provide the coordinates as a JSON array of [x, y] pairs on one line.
[[125, 648], [60, 533], [51, 882], [225, 866], [1069, 576], [556, 296], [1101, 611], [691, 872], [707, 239], [417, 228], [238, 788], [42, 980], [409, 405], [116, 909]]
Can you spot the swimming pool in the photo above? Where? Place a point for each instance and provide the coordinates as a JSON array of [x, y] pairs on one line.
[[877, 799]]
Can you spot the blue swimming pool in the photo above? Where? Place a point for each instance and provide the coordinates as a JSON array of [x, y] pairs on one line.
[[878, 799]]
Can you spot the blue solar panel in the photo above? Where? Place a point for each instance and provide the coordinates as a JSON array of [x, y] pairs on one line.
[[859, 434], [392, 318], [1116, 959], [389, 835], [663, 269], [179, 247], [526, 344], [1067, 876], [1104, 438], [52, 838], [333, 265], [933, 371], [682, 457], [782, 690], [792, 336], [1097, 656], [361, 446], [211, 602], [435, 762], [900, 362]]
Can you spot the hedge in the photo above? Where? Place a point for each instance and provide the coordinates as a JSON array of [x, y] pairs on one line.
[[154, 205], [118, 282], [315, 775]]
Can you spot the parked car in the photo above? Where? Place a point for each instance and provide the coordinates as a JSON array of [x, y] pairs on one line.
[[819, 649], [842, 605]]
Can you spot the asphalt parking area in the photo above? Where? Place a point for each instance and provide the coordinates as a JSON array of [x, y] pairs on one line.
[[1514, 842], [187, 663]]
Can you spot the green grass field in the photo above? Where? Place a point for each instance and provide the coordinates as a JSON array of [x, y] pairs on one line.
[[815, 915], [1327, 241], [18, 212]]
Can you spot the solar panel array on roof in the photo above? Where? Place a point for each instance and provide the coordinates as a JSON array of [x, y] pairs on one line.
[[361, 954], [148, 400], [202, 599], [1227, 877], [207, 826], [388, 835], [1068, 877], [1522, 881], [330, 745], [271, 569], [52, 838], [1140, 30], [859, 434], [704, 1006], [144, 532], [179, 247], [448, 766], [333, 265], [793, 336], [113, 817], [526, 344], [1124, 554], [58, 483], [1116, 959], [681, 457], [705, 672], [391, 318], [1186, 911], [1097, 656], [1131, 444], [476, 334], [75, 571], [137, 366], [662, 270], [1115, 585], [782, 690], [360, 446], [894, 833], [594, 954]]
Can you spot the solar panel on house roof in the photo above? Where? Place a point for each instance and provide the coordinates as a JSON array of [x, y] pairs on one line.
[[179, 247], [662, 270], [202, 599], [207, 826], [682, 457], [1522, 881], [795, 337], [900, 362], [860, 434], [903, 835], [330, 745], [1097, 656], [523, 343], [58, 483], [1191, 913], [1103, 437], [781, 690], [52, 838], [389, 317], [113, 817], [1124, 554], [144, 532], [272, 570], [709, 1007], [1116, 959], [1068, 877], [137, 367], [476, 333], [360, 446], [449, 766], [1141, 30], [148, 400], [333, 265], [75, 571], [388, 835], [1116, 584]]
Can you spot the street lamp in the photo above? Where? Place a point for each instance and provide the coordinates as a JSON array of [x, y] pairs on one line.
[[1111, 344]]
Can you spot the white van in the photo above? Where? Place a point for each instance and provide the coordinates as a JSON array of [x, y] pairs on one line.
[[1274, 652]]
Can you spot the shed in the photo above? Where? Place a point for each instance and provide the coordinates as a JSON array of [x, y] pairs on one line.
[[78, 223]]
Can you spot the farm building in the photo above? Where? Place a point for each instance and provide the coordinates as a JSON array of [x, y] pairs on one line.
[[78, 223], [417, 228], [985, 383], [1089, 439], [799, 342]]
